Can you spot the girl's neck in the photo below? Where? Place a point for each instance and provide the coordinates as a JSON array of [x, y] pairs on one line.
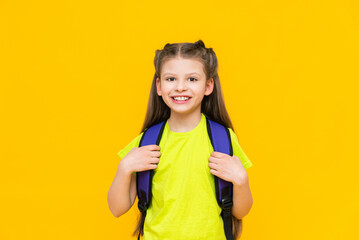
[[184, 122]]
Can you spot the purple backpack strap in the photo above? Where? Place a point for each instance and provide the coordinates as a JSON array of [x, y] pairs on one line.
[[151, 136], [221, 141]]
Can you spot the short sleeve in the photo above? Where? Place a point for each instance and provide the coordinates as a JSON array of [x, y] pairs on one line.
[[134, 143], [237, 151]]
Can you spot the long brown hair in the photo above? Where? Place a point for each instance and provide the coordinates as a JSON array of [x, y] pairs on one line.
[[212, 106]]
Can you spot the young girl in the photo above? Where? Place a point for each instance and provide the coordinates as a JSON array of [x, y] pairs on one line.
[[185, 91]]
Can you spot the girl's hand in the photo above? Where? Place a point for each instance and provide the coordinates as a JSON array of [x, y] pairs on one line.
[[228, 168], [140, 159]]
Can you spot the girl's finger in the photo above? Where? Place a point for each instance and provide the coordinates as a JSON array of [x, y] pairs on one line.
[[152, 160], [155, 160], [214, 172], [152, 166], [156, 153], [218, 154], [213, 166], [152, 147], [213, 159]]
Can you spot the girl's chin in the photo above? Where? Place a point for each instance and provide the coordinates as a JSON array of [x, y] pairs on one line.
[[185, 111]]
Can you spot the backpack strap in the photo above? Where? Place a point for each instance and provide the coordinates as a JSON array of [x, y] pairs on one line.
[[151, 136], [221, 142]]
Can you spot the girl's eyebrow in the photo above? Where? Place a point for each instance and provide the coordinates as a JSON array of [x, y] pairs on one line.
[[187, 73]]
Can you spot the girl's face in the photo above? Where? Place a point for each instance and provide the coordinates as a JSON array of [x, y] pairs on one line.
[[183, 85]]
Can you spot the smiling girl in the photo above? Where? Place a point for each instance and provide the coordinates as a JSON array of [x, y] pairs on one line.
[[185, 92]]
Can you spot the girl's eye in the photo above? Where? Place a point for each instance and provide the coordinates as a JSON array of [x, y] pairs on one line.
[[191, 79]]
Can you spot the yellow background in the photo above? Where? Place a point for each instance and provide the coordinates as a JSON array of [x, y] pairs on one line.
[[74, 84]]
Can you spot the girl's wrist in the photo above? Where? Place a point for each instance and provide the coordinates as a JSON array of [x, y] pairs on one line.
[[123, 168], [241, 181]]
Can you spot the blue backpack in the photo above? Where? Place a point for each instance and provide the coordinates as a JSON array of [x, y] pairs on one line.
[[221, 142]]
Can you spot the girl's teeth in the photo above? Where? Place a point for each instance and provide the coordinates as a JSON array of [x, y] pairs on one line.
[[181, 98]]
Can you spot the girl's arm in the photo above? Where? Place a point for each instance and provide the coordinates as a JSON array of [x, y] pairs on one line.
[[122, 193], [242, 197]]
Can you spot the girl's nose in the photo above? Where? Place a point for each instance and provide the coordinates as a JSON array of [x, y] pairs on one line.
[[181, 85]]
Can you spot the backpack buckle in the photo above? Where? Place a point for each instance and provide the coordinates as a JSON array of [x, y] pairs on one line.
[[142, 206], [227, 204]]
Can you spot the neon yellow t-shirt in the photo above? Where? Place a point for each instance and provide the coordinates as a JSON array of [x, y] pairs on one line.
[[184, 204]]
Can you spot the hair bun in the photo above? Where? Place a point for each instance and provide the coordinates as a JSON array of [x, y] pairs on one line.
[[199, 44], [167, 45]]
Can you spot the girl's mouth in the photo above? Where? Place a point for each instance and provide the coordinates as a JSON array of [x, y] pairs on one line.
[[180, 100]]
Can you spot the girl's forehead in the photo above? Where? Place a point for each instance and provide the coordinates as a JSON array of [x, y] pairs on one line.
[[182, 65]]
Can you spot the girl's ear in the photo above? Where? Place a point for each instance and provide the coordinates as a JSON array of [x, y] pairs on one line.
[[209, 87], [158, 86]]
